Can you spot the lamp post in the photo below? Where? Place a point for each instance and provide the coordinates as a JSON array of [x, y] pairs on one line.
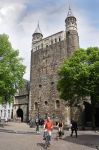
[[38, 115], [37, 119]]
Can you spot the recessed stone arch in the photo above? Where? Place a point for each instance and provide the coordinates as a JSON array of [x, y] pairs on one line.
[[20, 113]]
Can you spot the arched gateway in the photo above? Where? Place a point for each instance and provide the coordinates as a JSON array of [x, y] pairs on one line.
[[20, 114]]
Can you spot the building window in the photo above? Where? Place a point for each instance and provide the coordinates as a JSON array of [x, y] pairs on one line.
[[59, 39], [51, 41], [4, 113], [1, 113], [46, 103], [40, 85], [42, 45], [57, 104], [55, 40], [9, 114], [35, 106], [52, 83], [68, 32]]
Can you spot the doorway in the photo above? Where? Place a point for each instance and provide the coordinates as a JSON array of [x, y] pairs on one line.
[[20, 114], [88, 114]]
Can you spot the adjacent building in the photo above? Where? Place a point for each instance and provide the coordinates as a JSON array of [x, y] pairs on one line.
[[21, 103], [6, 111]]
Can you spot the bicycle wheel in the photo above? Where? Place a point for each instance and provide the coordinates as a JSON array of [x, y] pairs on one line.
[[47, 142]]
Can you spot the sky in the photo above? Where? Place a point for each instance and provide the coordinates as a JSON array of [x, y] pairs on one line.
[[19, 19]]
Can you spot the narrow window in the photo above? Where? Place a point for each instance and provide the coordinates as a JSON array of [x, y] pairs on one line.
[[40, 85], [51, 41], [46, 103], [36, 106], [57, 104], [42, 45], [59, 39], [55, 40], [52, 83]]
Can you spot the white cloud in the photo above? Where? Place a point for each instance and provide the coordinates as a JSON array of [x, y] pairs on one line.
[[88, 34]]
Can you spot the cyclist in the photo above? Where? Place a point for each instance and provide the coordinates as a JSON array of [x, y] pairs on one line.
[[48, 126]]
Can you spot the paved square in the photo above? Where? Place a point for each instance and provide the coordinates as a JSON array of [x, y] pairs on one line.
[[18, 136]]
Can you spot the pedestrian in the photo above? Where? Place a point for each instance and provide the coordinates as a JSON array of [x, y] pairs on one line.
[[74, 128], [37, 124], [60, 129]]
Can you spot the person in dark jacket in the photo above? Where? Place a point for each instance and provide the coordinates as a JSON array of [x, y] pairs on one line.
[[74, 127]]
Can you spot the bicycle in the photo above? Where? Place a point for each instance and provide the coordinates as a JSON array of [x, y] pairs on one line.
[[47, 139]]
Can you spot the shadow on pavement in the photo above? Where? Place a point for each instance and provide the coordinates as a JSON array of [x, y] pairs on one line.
[[17, 132], [41, 145], [87, 140]]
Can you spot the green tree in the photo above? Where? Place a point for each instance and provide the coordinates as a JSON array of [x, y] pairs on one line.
[[11, 70], [79, 77]]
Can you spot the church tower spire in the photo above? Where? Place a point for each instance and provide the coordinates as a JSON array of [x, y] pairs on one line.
[[37, 35], [69, 12], [38, 30], [70, 21], [72, 38]]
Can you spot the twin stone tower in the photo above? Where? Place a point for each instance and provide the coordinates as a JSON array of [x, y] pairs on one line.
[[46, 56]]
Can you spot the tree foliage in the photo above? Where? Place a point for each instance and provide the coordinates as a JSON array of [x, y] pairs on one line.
[[11, 69], [79, 76]]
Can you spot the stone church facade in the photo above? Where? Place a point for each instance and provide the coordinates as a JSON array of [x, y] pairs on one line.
[[46, 56]]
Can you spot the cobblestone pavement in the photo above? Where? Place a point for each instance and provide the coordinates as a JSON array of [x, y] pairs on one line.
[[25, 138]]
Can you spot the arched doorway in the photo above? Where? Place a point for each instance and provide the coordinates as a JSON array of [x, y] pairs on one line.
[[97, 116], [88, 114], [20, 114]]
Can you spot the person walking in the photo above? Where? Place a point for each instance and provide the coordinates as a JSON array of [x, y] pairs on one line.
[[37, 124], [74, 127], [60, 128]]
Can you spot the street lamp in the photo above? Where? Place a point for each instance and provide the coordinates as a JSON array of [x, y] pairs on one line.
[[37, 119]]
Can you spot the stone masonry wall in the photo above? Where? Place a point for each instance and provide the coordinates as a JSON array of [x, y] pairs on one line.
[[44, 65]]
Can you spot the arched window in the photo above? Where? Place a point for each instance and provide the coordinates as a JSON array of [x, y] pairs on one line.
[[35, 106], [55, 40], [51, 41], [59, 39], [57, 104], [42, 45]]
